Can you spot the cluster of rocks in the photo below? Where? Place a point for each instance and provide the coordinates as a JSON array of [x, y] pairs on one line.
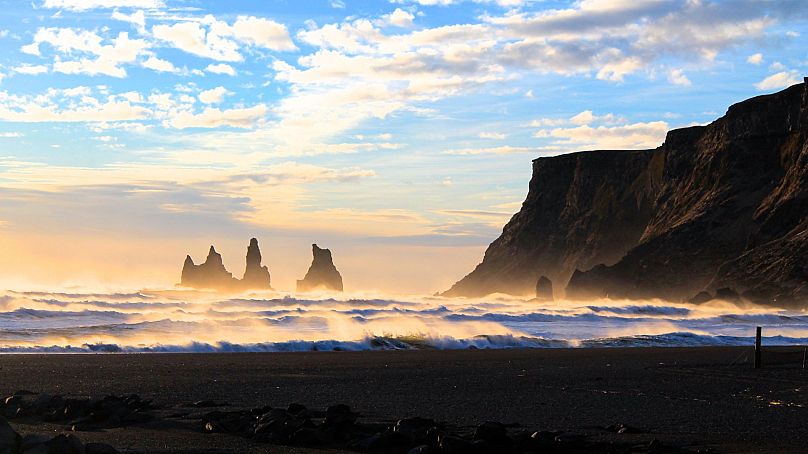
[[78, 414], [12, 442], [338, 427], [212, 274]]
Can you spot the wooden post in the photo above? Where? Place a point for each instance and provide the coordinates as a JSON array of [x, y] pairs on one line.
[[804, 354], [757, 347]]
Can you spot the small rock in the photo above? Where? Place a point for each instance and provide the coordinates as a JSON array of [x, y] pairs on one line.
[[99, 448], [491, 431], [544, 289], [65, 444], [9, 439], [701, 298], [727, 294]]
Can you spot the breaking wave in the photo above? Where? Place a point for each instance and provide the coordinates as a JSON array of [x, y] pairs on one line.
[[182, 321]]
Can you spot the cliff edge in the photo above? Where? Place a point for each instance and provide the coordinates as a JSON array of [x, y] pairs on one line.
[[716, 206]]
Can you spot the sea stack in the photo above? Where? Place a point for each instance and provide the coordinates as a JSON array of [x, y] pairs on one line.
[[544, 289], [322, 274], [255, 275], [211, 274]]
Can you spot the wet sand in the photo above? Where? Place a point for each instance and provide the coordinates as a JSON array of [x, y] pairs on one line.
[[692, 398]]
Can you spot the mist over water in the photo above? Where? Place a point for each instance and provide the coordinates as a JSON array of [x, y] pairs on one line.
[[184, 321]]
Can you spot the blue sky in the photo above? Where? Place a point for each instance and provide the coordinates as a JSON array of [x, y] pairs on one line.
[[398, 133]]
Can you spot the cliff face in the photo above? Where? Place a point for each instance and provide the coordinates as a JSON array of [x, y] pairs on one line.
[[723, 205], [322, 274]]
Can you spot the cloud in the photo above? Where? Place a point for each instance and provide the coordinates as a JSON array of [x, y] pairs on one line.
[[213, 96], [68, 42], [505, 149], [779, 80], [159, 65], [398, 18], [138, 19], [30, 69], [221, 68], [11, 135], [755, 59], [84, 5], [218, 40], [492, 135], [22, 109], [245, 118], [627, 136], [677, 77]]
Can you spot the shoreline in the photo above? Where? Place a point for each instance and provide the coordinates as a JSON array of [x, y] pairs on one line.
[[690, 398]]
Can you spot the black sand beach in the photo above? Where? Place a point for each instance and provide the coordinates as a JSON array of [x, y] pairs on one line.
[[690, 398]]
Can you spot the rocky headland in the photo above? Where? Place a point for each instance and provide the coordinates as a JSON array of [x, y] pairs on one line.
[[721, 206], [213, 275], [322, 274]]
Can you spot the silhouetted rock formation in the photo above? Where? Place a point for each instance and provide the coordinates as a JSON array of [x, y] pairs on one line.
[[212, 274], [544, 289], [255, 275], [722, 205], [701, 298], [322, 274]]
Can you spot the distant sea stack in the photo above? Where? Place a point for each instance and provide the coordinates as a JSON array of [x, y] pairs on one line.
[[714, 207], [322, 274], [255, 275], [212, 274]]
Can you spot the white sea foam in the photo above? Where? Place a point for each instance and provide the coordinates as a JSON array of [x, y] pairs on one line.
[[179, 321]]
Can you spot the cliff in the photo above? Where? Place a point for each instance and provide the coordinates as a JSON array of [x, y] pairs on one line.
[[212, 274], [722, 205], [322, 274]]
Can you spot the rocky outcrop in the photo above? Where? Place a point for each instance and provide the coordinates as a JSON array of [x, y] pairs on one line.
[[209, 275], [255, 275], [322, 274], [214, 276], [544, 289], [722, 205]]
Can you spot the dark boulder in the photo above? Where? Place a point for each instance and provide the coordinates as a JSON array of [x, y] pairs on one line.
[[544, 289], [701, 298]]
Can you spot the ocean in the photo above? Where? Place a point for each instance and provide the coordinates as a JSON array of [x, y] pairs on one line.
[[181, 321]]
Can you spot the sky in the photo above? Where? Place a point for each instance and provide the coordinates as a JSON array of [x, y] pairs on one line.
[[397, 133]]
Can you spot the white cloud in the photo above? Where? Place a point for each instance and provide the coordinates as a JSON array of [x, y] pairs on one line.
[[627, 136], [492, 135], [678, 77], [217, 40], [262, 33], [779, 80], [30, 69], [213, 96], [24, 109], [138, 19], [11, 135], [755, 59], [83, 5], [107, 58], [244, 118], [221, 68], [159, 65], [505, 149], [398, 18]]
